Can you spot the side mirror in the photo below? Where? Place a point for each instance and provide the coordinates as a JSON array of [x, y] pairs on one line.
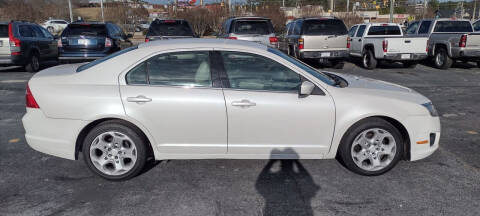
[[129, 36], [306, 88]]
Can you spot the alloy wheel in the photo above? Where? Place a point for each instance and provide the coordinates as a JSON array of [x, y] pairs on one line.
[[373, 149]]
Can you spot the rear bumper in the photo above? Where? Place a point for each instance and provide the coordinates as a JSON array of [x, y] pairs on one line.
[[12, 60], [55, 137], [462, 53], [421, 128], [398, 56], [327, 54]]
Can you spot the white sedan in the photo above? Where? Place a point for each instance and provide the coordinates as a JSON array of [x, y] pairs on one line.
[[212, 98]]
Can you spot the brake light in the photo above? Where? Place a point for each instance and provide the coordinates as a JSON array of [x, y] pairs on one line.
[[273, 40], [348, 42], [147, 40], [169, 21], [108, 42], [300, 43], [232, 38], [59, 43], [463, 41], [426, 49], [14, 42], [30, 100], [385, 45]]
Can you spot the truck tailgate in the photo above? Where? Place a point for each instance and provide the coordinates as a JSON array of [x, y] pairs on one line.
[[473, 41], [407, 44], [324, 42]]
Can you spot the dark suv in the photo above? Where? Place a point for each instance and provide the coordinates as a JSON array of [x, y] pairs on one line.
[[26, 44], [83, 41], [169, 29]]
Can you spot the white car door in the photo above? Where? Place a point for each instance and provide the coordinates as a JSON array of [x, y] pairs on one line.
[[172, 95], [357, 42], [265, 112]]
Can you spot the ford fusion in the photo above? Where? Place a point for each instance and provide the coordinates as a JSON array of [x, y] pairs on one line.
[[221, 99]]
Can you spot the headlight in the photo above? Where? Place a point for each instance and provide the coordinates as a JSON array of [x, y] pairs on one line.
[[430, 108]]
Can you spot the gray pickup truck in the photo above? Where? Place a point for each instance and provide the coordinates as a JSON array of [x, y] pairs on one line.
[[323, 39], [448, 40]]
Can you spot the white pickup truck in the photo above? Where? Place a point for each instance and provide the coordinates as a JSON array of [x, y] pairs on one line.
[[385, 41]]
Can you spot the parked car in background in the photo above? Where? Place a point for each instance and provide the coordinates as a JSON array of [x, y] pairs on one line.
[[83, 41], [385, 41], [161, 29], [194, 99], [142, 26], [448, 40], [55, 26], [249, 28], [476, 26], [26, 44], [317, 38]]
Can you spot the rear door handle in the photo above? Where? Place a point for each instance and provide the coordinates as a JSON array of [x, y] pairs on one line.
[[408, 41], [139, 99], [243, 103]]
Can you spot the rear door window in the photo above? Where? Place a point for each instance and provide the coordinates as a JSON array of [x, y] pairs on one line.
[[261, 27], [424, 27], [453, 26], [384, 30], [170, 28], [324, 27], [85, 30], [3, 31]]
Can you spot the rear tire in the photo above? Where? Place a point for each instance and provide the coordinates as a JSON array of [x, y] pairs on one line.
[[368, 60], [410, 64], [360, 147], [441, 60], [33, 64], [115, 151]]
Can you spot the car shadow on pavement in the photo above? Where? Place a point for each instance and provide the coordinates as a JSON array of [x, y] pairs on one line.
[[286, 186]]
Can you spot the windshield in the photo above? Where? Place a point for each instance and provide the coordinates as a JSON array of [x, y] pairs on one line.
[[84, 29], [319, 75], [261, 27], [324, 27], [169, 28], [98, 61]]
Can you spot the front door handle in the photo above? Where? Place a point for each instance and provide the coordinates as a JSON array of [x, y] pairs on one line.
[[139, 99], [243, 103], [359, 40]]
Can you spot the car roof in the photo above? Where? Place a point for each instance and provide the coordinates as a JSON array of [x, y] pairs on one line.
[[249, 17], [317, 17], [203, 43]]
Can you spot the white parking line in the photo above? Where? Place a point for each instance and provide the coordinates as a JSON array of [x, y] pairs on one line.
[[13, 81]]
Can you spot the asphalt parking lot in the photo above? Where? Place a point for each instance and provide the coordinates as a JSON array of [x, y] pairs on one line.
[[446, 183]]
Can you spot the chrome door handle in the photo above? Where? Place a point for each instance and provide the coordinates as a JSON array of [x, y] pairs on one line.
[[139, 99], [243, 103]]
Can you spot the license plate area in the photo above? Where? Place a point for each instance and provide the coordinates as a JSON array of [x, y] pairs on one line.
[[325, 54], [405, 56]]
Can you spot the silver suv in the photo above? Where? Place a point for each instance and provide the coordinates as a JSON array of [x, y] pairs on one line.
[[255, 29]]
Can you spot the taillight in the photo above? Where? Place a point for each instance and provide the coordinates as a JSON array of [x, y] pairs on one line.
[[300, 43], [273, 40], [30, 100], [463, 41], [426, 49], [147, 40], [348, 42], [59, 43], [232, 38], [14, 42], [108, 42], [385, 45]]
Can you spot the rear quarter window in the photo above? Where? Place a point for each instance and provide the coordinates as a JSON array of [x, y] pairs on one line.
[[384, 30], [3, 31], [453, 26]]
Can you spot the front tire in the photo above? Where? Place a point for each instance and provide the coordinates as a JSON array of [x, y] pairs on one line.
[[371, 147], [368, 60], [115, 151], [441, 60]]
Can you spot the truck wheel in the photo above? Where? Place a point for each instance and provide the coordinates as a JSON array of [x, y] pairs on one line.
[[441, 60], [368, 60], [410, 64], [33, 64]]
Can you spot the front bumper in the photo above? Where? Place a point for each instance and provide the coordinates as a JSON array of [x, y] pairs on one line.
[[55, 137], [412, 56], [327, 54], [421, 129]]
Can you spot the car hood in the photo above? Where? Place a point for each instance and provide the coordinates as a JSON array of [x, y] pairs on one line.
[[364, 85]]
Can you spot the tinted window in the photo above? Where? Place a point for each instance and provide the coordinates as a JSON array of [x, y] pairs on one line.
[[412, 28], [45, 32], [3, 30], [98, 61], [361, 30], [424, 27], [298, 27], [85, 29], [191, 69], [319, 75], [262, 27], [476, 26], [169, 28], [351, 33], [26, 31], [255, 72], [324, 27], [453, 26], [137, 75], [384, 30], [289, 28], [38, 32]]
